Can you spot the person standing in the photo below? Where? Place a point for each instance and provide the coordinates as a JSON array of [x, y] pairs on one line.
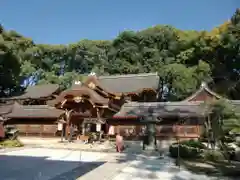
[[119, 143], [2, 131]]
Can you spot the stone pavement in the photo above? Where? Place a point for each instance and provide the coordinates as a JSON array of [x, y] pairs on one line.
[[153, 168], [56, 164], [29, 163], [141, 167], [115, 163]]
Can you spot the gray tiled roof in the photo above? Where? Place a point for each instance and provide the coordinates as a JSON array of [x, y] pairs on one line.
[[129, 83], [161, 109], [38, 91], [34, 111], [5, 109]]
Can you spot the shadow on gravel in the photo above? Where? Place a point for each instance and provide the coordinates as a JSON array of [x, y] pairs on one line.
[[41, 168]]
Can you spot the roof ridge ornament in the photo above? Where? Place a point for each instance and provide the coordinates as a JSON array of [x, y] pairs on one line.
[[92, 74], [203, 84]]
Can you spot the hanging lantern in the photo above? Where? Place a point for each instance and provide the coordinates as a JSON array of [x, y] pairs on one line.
[[60, 126], [98, 127]]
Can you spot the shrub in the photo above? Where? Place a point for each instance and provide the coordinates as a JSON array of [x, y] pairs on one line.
[[238, 144], [229, 139], [194, 144], [184, 151], [187, 149], [11, 143], [212, 155]]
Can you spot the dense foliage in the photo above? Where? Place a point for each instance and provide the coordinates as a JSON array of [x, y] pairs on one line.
[[182, 58], [187, 149]]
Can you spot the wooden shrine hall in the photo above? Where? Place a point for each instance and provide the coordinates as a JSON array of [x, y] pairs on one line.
[[43, 110], [107, 104]]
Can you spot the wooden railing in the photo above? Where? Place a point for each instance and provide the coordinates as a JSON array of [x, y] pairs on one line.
[[37, 130], [179, 131], [163, 131]]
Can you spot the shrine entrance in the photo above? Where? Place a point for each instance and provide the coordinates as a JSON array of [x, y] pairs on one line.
[[92, 129], [93, 125]]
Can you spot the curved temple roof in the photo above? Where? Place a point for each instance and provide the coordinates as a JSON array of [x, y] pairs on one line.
[[33, 111], [161, 109], [37, 91], [80, 91], [130, 83]]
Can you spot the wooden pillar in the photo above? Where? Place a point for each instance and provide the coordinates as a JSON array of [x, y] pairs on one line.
[[83, 127], [99, 121], [41, 130], [71, 132], [66, 130], [68, 119], [63, 132], [27, 128], [106, 128]]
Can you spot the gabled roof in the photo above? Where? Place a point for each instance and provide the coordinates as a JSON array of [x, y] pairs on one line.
[[161, 109], [129, 83], [38, 91], [204, 87], [33, 111], [80, 91]]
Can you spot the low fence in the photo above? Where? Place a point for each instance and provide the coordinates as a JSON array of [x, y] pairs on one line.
[[164, 131], [41, 130]]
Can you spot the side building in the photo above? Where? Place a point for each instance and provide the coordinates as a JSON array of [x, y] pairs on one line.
[[183, 119], [30, 113]]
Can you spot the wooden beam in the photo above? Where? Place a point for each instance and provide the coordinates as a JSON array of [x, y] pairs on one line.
[[63, 103]]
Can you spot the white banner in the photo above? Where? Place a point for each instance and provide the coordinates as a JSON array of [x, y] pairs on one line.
[[60, 126], [98, 127]]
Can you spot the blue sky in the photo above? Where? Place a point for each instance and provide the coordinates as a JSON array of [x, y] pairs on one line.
[[68, 21]]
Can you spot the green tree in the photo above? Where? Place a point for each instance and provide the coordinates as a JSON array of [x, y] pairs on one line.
[[223, 121], [9, 68]]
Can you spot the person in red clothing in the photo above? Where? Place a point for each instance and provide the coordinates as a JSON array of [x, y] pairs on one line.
[[119, 142], [2, 132]]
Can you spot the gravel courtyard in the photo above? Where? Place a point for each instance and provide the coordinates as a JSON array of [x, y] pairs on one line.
[[47, 164], [56, 164]]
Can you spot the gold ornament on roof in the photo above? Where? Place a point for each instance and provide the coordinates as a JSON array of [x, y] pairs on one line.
[[91, 85], [77, 99], [92, 74], [77, 82]]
